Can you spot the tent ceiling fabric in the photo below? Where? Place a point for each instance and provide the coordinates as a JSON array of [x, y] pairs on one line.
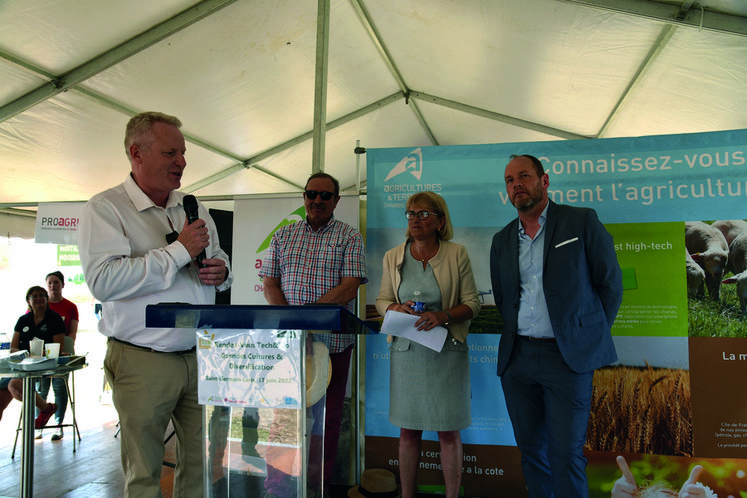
[[240, 76]]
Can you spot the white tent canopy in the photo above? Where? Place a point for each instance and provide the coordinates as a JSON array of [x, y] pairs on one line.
[[240, 74]]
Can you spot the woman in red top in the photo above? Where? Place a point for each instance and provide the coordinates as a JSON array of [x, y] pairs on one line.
[[69, 313]]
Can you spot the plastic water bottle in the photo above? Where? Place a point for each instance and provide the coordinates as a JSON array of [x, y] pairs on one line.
[[4, 342], [419, 305]]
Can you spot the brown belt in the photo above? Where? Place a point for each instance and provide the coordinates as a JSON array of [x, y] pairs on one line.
[[151, 350]]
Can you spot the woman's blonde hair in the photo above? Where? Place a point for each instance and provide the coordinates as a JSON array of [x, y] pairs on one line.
[[435, 203]]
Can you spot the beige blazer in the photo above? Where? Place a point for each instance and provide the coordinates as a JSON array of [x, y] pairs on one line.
[[453, 272]]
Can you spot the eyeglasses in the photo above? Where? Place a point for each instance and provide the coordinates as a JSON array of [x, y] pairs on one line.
[[311, 194], [423, 215], [37, 296]]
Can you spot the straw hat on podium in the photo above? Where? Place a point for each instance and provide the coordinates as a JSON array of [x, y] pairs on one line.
[[318, 373], [376, 483]]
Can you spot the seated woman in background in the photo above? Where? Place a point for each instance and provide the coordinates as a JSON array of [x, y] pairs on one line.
[[42, 323]]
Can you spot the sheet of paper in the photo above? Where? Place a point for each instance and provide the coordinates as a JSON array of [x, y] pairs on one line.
[[403, 325]]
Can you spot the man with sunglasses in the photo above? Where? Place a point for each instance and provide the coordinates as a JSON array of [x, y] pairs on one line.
[[318, 260]]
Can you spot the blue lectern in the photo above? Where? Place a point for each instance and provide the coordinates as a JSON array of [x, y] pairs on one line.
[[261, 431]]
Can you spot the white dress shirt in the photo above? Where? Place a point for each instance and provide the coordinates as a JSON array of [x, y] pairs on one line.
[[128, 264]]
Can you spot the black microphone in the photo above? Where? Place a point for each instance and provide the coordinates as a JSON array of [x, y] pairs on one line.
[[190, 209]]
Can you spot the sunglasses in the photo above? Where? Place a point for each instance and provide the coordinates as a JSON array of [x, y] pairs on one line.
[[311, 194], [423, 215]]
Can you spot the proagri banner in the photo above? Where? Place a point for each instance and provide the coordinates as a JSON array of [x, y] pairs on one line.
[[57, 222]]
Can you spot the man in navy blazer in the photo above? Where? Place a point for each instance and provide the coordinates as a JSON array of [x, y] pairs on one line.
[[558, 287]]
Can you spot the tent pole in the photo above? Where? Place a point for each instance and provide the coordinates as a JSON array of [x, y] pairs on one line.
[[320, 86]]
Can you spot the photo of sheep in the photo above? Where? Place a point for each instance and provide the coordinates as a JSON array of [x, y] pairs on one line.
[[716, 267]]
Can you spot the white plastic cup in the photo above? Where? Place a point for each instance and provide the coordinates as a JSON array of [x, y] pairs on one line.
[[52, 350], [36, 347]]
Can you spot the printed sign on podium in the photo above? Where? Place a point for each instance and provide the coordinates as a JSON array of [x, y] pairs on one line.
[[258, 368]]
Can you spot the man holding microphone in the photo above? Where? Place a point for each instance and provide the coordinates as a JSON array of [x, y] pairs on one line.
[[132, 256]]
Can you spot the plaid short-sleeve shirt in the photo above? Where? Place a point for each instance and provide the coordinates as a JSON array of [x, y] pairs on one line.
[[309, 264]]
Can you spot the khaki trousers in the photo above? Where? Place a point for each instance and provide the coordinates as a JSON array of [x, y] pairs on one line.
[[148, 390]]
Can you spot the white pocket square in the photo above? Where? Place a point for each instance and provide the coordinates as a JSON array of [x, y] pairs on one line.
[[574, 239]]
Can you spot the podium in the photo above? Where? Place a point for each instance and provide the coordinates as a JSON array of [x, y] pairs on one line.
[[262, 430]]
